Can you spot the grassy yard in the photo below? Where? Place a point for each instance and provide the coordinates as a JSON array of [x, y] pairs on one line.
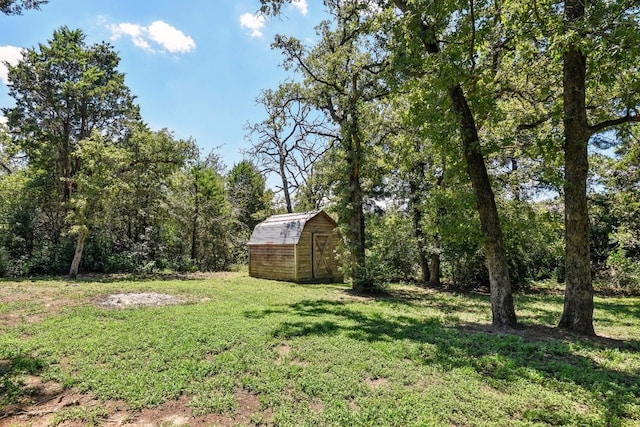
[[241, 351]]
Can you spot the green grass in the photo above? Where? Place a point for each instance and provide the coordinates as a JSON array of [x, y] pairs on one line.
[[87, 416], [317, 355]]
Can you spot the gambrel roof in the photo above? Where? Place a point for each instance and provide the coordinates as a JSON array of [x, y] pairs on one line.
[[284, 229]]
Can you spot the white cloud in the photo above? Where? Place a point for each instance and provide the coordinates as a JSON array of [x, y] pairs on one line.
[[167, 37], [10, 54], [135, 32], [301, 5], [170, 38], [3, 120], [255, 23]]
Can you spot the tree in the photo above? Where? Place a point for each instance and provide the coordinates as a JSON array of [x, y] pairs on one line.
[[578, 305], [246, 191], [419, 18], [141, 213], [199, 209], [64, 91], [96, 183], [6, 155], [289, 140], [15, 7], [342, 73], [413, 150], [590, 53]]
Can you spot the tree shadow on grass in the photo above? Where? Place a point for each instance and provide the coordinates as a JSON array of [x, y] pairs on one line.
[[618, 308], [12, 371], [505, 356], [448, 302]]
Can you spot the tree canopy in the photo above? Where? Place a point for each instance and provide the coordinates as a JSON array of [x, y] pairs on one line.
[[16, 7]]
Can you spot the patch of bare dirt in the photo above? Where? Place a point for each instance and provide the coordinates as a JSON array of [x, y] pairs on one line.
[[376, 383], [46, 399], [43, 401], [139, 299], [283, 352], [316, 406], [179, 413], [353, 405], [31, 302]]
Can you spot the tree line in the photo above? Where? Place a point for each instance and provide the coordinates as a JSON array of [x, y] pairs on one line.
[[86, 185]]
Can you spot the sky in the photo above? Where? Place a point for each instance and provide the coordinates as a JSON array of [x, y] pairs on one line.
[[195, 66]]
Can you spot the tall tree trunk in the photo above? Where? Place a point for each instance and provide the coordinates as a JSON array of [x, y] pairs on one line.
[[77, 257], [194, 234], [503, 311], [434, 264], [351, 129], [577, 315], [416, 179], [356, 215]]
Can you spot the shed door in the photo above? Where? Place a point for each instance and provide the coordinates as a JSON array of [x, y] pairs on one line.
[[321, 256]]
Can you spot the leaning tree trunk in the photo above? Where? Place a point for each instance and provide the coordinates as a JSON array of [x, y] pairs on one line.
[[577, 315], [77, 257], [502, 308], [503, 311]]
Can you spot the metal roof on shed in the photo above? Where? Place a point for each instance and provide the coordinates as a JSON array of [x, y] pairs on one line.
[[283, 229]]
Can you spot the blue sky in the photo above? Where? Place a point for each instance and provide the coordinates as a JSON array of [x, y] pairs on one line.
[[196, 66]]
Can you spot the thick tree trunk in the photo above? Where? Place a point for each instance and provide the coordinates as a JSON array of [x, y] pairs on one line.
[[577, 315], [351, 125], [356, 220], [77, 257], [500, 283]]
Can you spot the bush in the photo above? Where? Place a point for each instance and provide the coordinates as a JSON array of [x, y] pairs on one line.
[[122, 262], [469, 270], [393, 251], [623, 273]]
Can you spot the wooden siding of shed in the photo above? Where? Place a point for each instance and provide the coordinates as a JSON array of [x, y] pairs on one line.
[[277, 262], [304, 258]]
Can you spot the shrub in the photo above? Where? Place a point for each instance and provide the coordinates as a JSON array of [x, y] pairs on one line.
[[393, 251]]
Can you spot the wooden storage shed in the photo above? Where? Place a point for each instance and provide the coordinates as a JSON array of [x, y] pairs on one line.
[[300, 247]]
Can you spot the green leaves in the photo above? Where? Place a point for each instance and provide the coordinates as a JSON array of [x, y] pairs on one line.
[[15, 7]]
